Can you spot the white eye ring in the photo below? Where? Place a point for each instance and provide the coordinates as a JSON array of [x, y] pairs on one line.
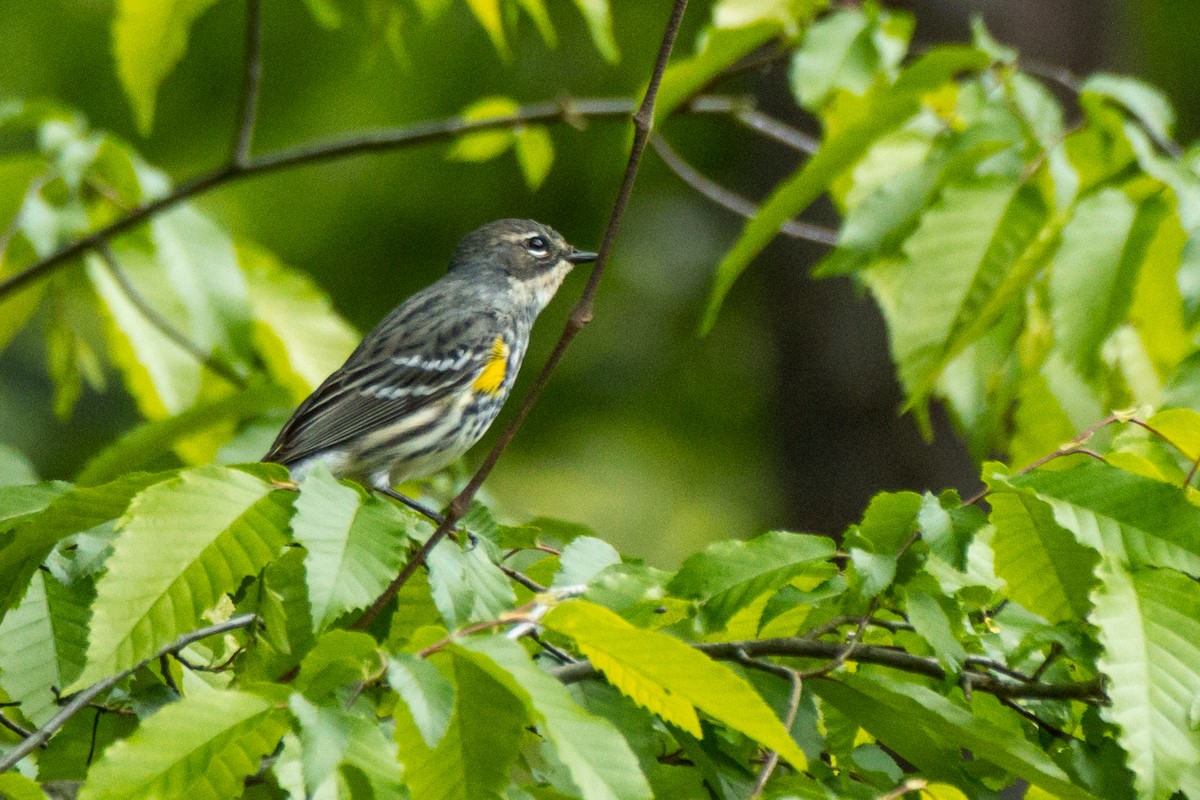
[[536, 246]]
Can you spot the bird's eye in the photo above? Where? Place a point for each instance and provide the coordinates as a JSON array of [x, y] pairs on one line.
[[536, 244]]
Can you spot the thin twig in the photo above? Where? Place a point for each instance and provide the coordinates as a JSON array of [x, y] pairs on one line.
[[733, 201], [580, 316], [1056, 650], [789, 720], [837, 622], [163, 325], [85, 697], [14, 727], [522, 578], [250, 84], [910, 785], [164, 666], [744, 112], [1091, 692], [1053, 730]]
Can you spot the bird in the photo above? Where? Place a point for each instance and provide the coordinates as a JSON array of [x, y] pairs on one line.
[[426, 383]]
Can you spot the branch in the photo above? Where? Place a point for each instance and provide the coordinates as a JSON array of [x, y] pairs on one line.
[[85, 697], [580, 316], [569, 111], [164, 325], [759, 121], [731, 200], [250, 84], [1091, 692]]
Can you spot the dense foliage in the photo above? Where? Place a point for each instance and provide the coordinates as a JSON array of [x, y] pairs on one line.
[[181, 622]]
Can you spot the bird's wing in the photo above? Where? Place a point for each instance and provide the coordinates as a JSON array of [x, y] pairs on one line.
[[395, 372]]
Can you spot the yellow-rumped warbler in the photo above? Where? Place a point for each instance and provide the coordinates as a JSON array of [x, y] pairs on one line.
[[425, 384]]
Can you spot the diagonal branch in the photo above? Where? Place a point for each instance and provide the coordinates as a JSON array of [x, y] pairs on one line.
[[164, 325], [732, 200], [83, 699], [426, 132], [1091, 692], [250, 84], [580, 316]]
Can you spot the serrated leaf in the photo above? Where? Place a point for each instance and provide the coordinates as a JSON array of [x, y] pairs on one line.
[[183, 544], [200, 748], [728, 576], [836, 53], [466, 586], [930, 731], [881, 111], [297, 332], [1145, 102], [149, 39], [1046, 569], [957, 260], [596, 756], [339, 744], [42, 644], [1150, 628], [1135, 520], [356, 545], [472, 759], [1092, 276], [427, 693], [670, 679], [15, 786], [931, 623]]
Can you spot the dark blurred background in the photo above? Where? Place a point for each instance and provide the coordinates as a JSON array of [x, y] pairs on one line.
[[785, 417]]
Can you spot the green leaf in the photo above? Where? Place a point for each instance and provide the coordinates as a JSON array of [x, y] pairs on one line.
[[1092, 276], [325, 13], [428, 695], [488, 14], [15, 786], [1150, 628], [41, 644], [1146, 103], [1046, 569], [956, 263], [582, 559], [343, 747], [472, 759], [1136, 520], [720, 48], [338, 659], [535, 154], [485, 145], [183, 544], [202, 747], [931, 732], [466, 585], [356, 544], [837, 53], [149, 39], [670, 679], [883, 109], [729, 576], [931, 623], [599, 22], [297, 332], [597, 757]]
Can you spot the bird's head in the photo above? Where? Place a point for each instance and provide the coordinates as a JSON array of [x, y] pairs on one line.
[[522, 250]]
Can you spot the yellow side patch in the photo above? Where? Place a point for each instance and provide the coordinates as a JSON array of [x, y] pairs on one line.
[[492, 377]]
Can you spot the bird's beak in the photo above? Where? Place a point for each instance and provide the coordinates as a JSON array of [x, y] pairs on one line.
[[581, 256]]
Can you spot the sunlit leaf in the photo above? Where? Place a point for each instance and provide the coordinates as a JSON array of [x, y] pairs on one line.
[[149, 39], [200, 748], [225, 525], [1150, 627], [667, 677]]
